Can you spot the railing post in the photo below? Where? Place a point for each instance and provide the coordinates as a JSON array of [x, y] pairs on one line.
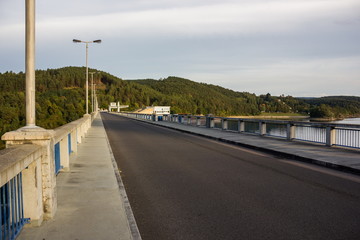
[[212, 122], [224, 123], [32, 193], [43, 138], [241, 125], [64, 154], [262, 128], [197, 121], [290, 131], [330, 136], [78, 134], [73, 141]]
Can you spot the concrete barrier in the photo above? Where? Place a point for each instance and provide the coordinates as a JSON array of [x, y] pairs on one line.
[[31, 153]]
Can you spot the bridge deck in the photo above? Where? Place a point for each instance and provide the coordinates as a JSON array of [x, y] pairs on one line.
[[90, 205], [187, 187], [333, 157]]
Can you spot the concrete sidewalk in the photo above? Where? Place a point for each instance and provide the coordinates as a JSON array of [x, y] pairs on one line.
[[92, 202], [332, 157]]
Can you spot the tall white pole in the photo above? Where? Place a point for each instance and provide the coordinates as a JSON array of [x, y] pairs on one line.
[[95, 98], [30, 62], [87, 81], [92, 91]]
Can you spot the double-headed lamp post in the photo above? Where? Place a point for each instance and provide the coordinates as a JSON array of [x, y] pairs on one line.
[[87, 71]]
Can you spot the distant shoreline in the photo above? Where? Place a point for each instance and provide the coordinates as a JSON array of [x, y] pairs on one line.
[[271, 117]]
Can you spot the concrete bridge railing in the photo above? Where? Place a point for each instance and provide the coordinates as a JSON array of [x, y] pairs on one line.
[[329, 134], [28, 169]]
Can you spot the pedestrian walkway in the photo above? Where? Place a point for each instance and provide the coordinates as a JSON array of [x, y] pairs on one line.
[[332, 157], [90, 203]]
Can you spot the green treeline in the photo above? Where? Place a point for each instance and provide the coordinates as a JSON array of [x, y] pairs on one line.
[[60, 98], [334, 107]]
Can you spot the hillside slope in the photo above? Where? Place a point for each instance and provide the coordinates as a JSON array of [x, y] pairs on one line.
[[187, 96]]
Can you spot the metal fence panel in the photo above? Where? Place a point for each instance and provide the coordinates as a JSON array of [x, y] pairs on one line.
[[11, 210], [69, 143], [348, 138], [57, 158]]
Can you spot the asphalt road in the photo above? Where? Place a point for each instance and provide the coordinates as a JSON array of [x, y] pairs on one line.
[[182, 186]]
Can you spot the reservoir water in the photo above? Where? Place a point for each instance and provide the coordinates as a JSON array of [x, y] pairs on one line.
[[349, 121]]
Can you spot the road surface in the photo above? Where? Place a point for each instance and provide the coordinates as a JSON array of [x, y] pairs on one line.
[[182, 186]]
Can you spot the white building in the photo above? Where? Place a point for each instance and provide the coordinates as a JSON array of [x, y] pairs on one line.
[[161, 110], [157, 110]]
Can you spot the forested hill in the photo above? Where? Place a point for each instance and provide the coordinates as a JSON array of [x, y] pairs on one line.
[[186, 96], [60, 98], [334, 106], [200, 98]]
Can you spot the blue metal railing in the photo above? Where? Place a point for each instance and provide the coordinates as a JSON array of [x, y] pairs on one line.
[[310, 134], [69, 143], [252, 127], [217, 123], [233, 125], [276, 130], [57, 158], [329, 134], [12, 209], [348, 137]]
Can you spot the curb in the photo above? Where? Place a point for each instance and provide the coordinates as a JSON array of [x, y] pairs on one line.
[[134, 230]]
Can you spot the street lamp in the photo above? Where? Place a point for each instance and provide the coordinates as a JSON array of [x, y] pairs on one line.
[[87, 71]]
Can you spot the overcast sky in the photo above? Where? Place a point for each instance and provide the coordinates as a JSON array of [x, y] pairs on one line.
[[291, 47]]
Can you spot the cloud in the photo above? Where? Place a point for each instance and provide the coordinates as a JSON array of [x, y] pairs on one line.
[[296, 45], [300, 77], [231, 17]]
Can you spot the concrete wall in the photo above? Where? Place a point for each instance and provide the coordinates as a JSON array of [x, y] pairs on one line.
[[31, 152]]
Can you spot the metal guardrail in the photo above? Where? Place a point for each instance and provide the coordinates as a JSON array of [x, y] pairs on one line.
[[329, 134], [12, 208], [57, 158], [310, 133], [347, 137]]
